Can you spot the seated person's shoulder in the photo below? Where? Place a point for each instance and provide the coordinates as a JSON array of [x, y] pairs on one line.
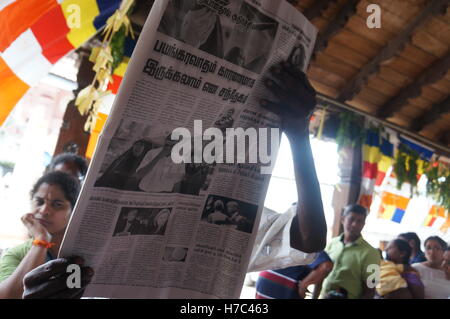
[[18, 251]]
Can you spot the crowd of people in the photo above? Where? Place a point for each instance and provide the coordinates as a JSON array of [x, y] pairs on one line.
[[349, 267], [290, 248]]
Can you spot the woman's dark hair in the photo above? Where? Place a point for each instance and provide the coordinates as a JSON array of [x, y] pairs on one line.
[[437, 239], [403, 246], [70, 157], [68, 184], [411, 236]]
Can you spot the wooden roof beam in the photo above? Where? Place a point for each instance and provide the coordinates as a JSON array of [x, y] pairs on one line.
[[434, 73], [445, 138], [354, 86], [317, 8], [432, 115], [338, 23]]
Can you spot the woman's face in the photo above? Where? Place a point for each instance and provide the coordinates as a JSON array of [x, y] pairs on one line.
[[394, 254], [138, 148], [434, 252], [446, 262], [51, 208]]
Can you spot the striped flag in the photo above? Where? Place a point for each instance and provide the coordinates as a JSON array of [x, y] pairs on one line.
[[424, 153], [377, 159], [385, 162], [436, 217], [444, 228], [394, 201], [35, 34], [393, 206]]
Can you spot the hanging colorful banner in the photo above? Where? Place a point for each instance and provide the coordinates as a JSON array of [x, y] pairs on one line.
[[385, 162], [377, 159], [436, 217], [393, 207], [36, 34], [424, 153], [395, 199], [444, 228]]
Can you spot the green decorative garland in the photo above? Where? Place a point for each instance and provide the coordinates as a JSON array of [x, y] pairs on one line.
[[351, 131], [406, 168], [438, 184], [118, 47]]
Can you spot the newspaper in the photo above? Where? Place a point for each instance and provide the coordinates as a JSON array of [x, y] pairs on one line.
[[154, 228]]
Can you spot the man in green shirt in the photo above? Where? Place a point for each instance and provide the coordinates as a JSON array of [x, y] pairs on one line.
[[355, 260]]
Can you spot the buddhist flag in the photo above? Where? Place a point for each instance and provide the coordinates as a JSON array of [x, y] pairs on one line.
[[444, 228], [424, 153], [385, 162], [393, 206], [436, 217], [35, 34], [377, 159]]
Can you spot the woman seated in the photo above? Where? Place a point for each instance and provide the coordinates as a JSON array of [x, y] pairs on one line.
[[398, 279], [432, 272], [52, 199]]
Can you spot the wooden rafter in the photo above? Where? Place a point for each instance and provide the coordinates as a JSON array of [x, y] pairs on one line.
[[445, 138], [317, 8], [432, 74], [338, 23], [434, 7], [431, 115]]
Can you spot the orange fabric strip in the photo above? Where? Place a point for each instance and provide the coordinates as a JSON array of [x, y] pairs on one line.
[[19, 16], [11, 90]]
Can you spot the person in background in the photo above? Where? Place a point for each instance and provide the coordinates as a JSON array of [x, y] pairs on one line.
[[437, 285], [417, 255], [293, 282], [446, 263], [53, 197], [398, 279], [69, 163], [353, 258]]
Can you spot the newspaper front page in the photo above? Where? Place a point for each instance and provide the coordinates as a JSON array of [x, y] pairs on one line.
[[150, 225]]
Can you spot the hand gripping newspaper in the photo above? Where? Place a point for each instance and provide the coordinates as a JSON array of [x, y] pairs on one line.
[[174, 195]]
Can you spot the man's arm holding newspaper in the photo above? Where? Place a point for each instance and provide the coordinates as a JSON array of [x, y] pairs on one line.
[[295, 105]]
